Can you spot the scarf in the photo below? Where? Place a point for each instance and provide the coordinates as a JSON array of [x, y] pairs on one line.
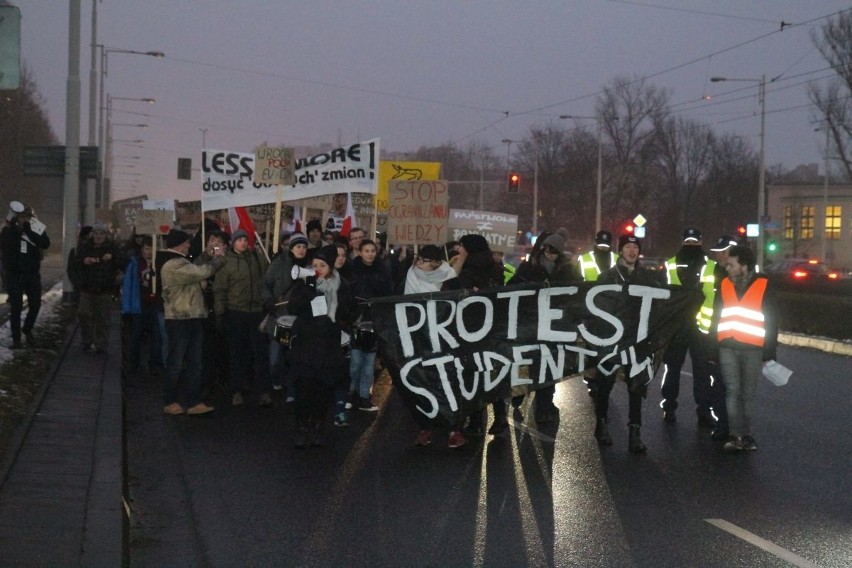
[[329, 286]]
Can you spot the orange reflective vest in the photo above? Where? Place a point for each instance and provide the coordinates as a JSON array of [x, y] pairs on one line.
[[742, 318]]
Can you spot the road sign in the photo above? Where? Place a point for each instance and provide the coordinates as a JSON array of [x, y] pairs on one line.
[[49, 161], [639, 220]]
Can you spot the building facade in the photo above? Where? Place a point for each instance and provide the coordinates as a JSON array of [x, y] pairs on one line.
[[810, 221]]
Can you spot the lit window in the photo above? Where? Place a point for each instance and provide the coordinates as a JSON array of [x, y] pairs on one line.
[[789, 222], [806, 222], [833, 215]]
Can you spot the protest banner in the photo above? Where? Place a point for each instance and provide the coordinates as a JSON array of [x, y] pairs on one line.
[[228, 176], [499, 229], [125, 211], [392, 170], [274, 166], [451, 353], [417, 212], [188, 214]]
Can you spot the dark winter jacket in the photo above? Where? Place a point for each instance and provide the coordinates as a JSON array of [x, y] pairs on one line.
[[478, 272], [368, 282], [102, 276], [21, 248], [533, 270], [239, 285]]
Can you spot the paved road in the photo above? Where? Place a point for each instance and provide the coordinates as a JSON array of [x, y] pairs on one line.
[[230, 490]]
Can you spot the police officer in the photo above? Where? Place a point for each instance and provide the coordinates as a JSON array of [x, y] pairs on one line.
[[691, 268], [22, 243]]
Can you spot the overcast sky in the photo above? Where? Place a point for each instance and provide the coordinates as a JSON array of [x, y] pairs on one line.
[[423, 72]]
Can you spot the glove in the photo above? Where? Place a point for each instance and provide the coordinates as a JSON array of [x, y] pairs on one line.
[[220, 325], [269, 305]]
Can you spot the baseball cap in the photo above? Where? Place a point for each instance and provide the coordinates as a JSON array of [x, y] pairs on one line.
[[723, 243], [691, 235]]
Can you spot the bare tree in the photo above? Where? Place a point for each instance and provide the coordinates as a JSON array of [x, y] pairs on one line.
[[833, 102]]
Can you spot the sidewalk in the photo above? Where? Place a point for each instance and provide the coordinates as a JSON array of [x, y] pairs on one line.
[[61, 500]]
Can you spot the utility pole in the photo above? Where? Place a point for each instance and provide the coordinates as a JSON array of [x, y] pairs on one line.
[[71, 197]]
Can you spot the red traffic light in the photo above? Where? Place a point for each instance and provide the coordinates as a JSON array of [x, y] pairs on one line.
[[628, 228], [741, 230], [514, 182]]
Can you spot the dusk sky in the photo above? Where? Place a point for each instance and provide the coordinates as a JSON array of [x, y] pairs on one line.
[[420, 73]]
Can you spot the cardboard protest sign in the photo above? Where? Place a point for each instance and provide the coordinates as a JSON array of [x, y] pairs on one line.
[[392, 170], [417, 212], [154, 221], [228, 176], [451, 353], [499, 229], [274, 166]]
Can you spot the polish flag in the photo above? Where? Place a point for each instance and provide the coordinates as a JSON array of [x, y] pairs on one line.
[[239, 218], [296, 225], [349, 219]]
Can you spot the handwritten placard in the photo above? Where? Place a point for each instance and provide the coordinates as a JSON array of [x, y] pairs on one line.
[[275, 166]]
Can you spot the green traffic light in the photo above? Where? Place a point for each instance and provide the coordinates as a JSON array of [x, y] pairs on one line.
[[773, 247]]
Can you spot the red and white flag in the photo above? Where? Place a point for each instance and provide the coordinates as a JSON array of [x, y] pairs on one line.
[[296, 225], [349, 219], [240, 219]]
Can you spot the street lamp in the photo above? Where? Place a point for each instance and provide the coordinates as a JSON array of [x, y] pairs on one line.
[[825, 189], [105, 51], [761, 183]]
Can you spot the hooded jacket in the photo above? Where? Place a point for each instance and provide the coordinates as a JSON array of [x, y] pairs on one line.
[[239, 285]]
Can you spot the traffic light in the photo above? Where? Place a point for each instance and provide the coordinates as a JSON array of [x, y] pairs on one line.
[[184, 168], [771, 246], [514, 182], [629, 228], [741, 230]]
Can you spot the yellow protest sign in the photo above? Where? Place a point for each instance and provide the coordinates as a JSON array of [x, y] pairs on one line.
[[392, 170]]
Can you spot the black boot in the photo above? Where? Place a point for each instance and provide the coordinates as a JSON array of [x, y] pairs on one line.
[[602, 432], [635, 443]]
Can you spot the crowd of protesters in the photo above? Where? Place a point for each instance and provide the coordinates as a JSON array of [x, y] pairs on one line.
[[223, 320]]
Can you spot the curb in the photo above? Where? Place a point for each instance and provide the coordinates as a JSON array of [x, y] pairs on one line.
[[822, 343], [16, 442]]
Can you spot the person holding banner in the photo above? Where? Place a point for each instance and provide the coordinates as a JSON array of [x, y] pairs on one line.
[[478, 272], [323, 305], [237, 295], [625, 272]]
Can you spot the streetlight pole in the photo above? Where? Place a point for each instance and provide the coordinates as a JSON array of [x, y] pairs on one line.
[[761, 183], [105, 51], [599, 181]]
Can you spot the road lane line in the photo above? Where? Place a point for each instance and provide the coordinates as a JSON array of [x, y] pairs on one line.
[[755, 540]]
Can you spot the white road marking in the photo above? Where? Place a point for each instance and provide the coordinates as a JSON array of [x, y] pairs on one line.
[[755, 540], [531, 431]]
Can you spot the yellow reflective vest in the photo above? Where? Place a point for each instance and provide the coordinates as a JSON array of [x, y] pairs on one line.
[[589, 269], [708, 285]]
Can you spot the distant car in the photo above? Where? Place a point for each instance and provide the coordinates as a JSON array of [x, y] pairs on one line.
[[794, 273], [653, 263]]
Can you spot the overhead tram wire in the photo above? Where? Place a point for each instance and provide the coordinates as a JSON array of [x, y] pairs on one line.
[[700, 12], [685, 64]]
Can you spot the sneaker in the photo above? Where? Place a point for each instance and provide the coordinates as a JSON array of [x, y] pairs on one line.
[[341, 419], [457, 439], [367, 405], [669, 416], [290, 399], [735, 444], [237, 399], [265, 400], [749, 444], [199, 409], [277, 387], [174, 409], [424, 438]]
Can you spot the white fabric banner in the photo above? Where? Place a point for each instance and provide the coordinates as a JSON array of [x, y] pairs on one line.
[[347, 169]]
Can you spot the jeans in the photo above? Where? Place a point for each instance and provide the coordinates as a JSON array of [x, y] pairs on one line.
[[361, 367], [248, 349], [18, 284], [182, 382], [142, 324], [741, 368], [601, 397]]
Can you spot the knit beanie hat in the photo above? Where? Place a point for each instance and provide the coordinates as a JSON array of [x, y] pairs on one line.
[[327, 254], [298, 239], [474, 243], [313, 225], [239, 234], [628, 238], [556, 241], [175, 238]]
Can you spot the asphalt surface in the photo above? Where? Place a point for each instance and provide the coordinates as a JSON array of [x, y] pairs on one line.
[[229, 489]]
